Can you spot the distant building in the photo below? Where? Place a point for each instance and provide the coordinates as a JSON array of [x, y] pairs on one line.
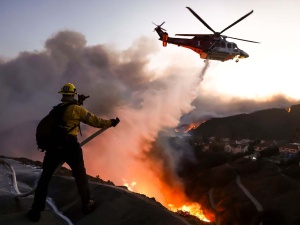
[[234, 148], [290, 149], [225, 140], [243, 141], [211, 139], [206, 147], [264, 145]]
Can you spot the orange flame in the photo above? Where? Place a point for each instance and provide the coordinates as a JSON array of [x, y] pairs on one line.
[[288, 109], [192, 208], [129, 186], [194, 125], [188, 127]]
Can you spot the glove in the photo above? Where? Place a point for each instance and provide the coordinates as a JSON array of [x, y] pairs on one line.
[[81, 98], [114, 122]]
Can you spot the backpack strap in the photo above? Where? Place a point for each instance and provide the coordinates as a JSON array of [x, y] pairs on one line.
[[58, 111], [75, 127]]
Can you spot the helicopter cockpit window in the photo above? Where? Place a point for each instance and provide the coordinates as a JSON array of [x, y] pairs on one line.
[[235, 48], [223, 45], [228, 45]]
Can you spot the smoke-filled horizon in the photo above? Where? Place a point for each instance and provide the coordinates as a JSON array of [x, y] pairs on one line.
[[121, 84]]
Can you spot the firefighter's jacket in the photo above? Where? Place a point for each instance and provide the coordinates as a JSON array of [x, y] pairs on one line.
[[74, 114]]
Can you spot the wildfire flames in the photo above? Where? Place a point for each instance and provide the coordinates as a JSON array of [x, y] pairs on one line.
[[130, 185], [191, 208], [288, 109], [188, 127]]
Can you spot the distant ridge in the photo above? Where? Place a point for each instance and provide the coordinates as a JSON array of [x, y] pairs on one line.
[[274, 123]]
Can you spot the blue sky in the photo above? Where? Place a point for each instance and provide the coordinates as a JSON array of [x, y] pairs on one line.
[[272, 65]]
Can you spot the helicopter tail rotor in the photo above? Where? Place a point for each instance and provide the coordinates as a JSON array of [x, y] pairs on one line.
[[163, 35], [159, 26]]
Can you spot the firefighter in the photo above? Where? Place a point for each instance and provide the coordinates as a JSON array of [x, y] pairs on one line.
[[69, 152]]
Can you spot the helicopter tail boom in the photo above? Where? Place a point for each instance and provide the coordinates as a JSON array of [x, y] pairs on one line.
[[163, 36], [165, 39]]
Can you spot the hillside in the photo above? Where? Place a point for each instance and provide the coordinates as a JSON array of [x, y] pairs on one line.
[[216, 180], [116, 205], [280, 124]]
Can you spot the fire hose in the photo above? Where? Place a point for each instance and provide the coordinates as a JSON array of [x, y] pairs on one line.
[[49, 200]]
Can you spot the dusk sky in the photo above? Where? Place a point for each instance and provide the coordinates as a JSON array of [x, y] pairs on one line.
[[271, 67], [109, 51]]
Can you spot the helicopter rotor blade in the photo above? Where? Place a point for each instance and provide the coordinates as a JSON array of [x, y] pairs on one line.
[[162, 23], [199, 18], [160, 26], [196, 35], [240, 39], [236, 22]]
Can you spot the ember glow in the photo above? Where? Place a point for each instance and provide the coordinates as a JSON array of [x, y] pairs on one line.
[[191, 208], [288, 109], [188, 127], [194, 125], [129, 185]]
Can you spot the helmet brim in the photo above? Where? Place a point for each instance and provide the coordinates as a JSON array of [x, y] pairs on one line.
[[67, 93]]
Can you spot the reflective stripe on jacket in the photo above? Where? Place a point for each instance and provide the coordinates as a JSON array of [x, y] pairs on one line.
[[75, 114]]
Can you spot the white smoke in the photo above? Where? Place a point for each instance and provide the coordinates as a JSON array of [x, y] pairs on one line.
[[119, 83]]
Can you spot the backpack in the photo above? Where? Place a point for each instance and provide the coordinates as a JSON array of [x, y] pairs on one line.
[[51, 131]]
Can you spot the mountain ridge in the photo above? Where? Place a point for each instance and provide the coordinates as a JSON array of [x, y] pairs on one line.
[[273, 123]]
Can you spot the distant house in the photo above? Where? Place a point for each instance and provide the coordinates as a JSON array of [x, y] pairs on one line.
[[224, 140], [290, 149], [264, 145], [234, 148], [211, 139], [243, 141], [205, 147]]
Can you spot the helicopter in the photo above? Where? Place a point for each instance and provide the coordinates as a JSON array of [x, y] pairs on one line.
[[208, 46]]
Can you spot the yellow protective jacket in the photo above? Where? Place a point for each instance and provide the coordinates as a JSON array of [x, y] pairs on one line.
[[74, 114]]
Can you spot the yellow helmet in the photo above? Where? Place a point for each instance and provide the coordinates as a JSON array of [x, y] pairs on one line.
[[68, 89]]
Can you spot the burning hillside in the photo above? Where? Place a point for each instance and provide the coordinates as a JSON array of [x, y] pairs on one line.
[[115, 206], [190, 212], [187, 127], [120, 85], [178, 203]]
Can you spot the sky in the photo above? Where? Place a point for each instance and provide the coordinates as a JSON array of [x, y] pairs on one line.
[[271, 67], [109, 51]]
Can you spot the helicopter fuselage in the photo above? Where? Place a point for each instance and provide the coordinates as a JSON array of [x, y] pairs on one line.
[[207, 46]]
